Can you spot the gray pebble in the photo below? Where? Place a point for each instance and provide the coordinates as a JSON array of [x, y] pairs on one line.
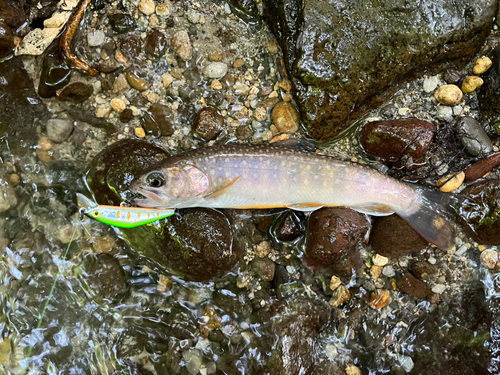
[[215, 70], [388, 271], [96, 38], [438, 288], [444, 113], [59, 129], [461, 250], [473, 136], [430, 84], [193, 17]]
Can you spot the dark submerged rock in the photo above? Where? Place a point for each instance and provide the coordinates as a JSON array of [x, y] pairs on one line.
[[473, 137], [105, 276], [333, 232], [481, 216], [157, 120], [156, 43], [409, 284], [344, 56], [208, 124], [197, 243], [121, 23], [246, 10], [288, 226], [76, 92], [392, 237], [130, 46], [6, 39], [398, 142], [55, 72]]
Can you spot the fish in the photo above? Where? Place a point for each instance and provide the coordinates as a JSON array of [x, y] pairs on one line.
[[247, 176], [121, 217]]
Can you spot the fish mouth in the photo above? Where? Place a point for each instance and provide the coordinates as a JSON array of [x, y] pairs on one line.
[[150, 199]]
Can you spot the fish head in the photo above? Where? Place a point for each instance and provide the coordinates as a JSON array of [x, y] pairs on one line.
[[173, 187]]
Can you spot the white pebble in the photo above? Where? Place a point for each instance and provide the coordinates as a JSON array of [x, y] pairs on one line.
[[388, 271], [438, 288], [430, 84], [215, 70], [380, 260], [95, 38], [461, 250], [432, 260], [444, 113]]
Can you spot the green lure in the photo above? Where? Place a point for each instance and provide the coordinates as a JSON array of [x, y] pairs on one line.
[[121, 217]]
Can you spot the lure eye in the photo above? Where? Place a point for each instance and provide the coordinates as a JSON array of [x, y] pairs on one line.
[[155, 179], [96, 213]]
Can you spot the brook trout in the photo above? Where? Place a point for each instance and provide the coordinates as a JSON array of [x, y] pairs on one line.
[[270, 176]]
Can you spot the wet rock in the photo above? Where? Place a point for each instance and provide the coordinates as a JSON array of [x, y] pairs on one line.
[[59, 129], [96, 38], [392, 237], [333, 232], [158, 120], [264, 268], [13, 16], [430, 84], [118, 104], [181, 44], [398, 142], [479, 169], [109, 66], [452, 76], [409, 284], [296, 322], [444, 113], [136, 81], [55, 72], [8, 198], [105, 276], [233, 302], [422, 270], [6, 39], [334, 73], [22, 110], [246, 10], [156, 43], [340, 295], [215, 70], [489, 95], [380, 299], [473, 136], [130, 46], [209, 124], [288, 226], [166, 80], [285, 118], [147, 7], [126, 115], [481, 217], [471, 83], [482, 65], [448, 95], [451, 182], [76, 92], [121, 23]]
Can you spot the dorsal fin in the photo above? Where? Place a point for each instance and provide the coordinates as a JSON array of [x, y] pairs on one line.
[[301, 144]]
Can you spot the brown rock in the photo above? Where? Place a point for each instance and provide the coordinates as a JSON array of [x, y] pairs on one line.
[[333, 232], [182, 45], [285, 117], [6, 39], [130, 46], [380, 299], [448, 95], [392, 237], [208, 124], [409, 284], [158, 120], [288, 226], [264, 268], [12, 16], [76, 92], [126, 115], [422, 270], [398, 142], [156, 43]]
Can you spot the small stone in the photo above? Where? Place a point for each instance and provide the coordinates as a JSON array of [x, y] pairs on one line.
[[156, 43], [335, 282], [58, 129], [272, 47], [448, 184], [444, 113], [164, 284], [239, 63], [158, 120], [166, 80], [208, 124], [66, 233], [139, 132], [216, 85], [181, 43], [176, 73], [120, 85], [130, 46], [388, 271], [438, 288], [473, 137], [264, 268], [340, 295], [376, 271], [147, 7], [452, 76], [430, 84], [241, 89], [215, 70], [285, 84], [118, 104], [262, 249], [96, 38], [136, 82], [45, 143], [44, 156], [15, 179], [103, 110], [448, 95], [352, 370], [126, 115], [380, 299], [489, 258], [380, 260], [162, 10], [285, 118], [260, 114], [471, 83], [103, 244], [409, 284], [482, 65], [216, 55], [193, 17]]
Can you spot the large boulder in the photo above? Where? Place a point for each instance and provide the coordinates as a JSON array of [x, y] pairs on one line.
[[343, 56]]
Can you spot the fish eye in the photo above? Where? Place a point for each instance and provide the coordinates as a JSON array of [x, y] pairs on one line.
[[155, 179]]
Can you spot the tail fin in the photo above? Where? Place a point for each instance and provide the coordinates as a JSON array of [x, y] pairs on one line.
[[433, 218]]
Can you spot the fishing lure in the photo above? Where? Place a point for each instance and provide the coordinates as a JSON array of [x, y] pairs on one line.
[[121, 217]]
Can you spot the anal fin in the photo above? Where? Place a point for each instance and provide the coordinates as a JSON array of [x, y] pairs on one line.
[[306, 207], [373, 209], [222, 189]]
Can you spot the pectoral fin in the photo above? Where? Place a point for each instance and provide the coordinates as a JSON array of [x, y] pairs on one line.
[[306, 207], [222, 189], [374, 209]]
